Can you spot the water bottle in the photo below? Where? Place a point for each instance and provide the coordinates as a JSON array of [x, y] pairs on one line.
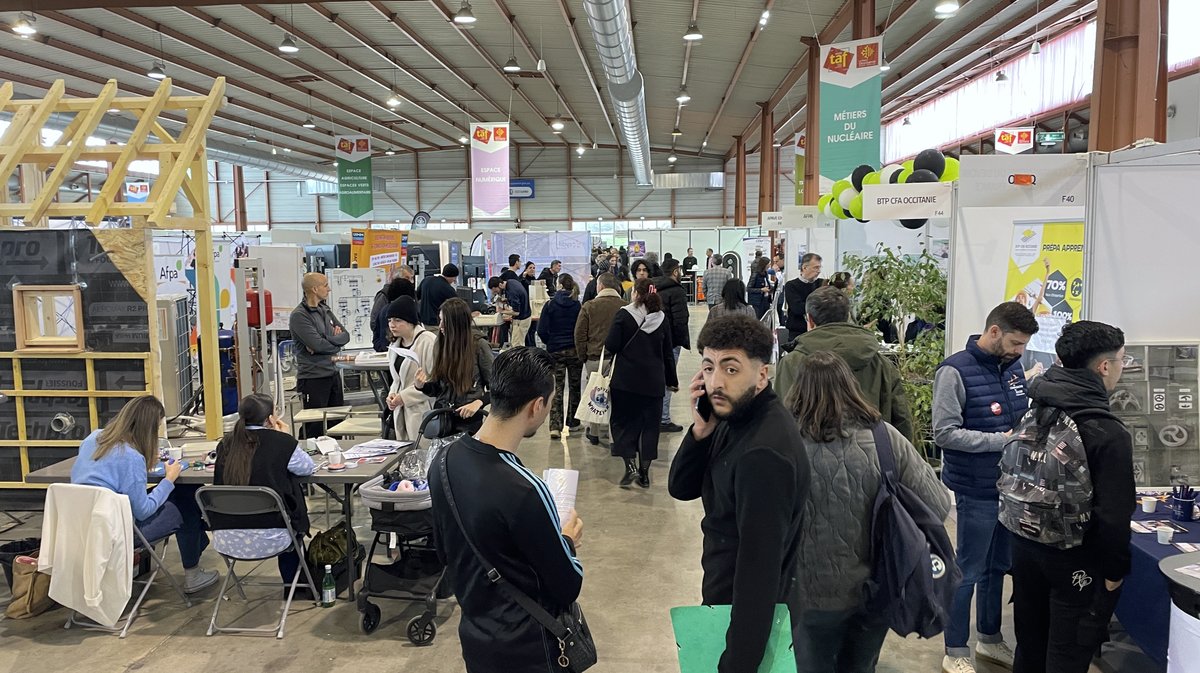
[[328, 588]]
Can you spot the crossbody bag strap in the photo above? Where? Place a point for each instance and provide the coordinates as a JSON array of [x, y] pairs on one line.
[[537, 611], [883, 447]]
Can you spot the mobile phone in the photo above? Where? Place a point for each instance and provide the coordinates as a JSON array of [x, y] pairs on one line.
[[704, 406]]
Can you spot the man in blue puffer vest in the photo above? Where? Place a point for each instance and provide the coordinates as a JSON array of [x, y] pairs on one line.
[[978, 397]]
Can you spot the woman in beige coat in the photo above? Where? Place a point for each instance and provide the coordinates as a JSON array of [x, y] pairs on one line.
[[411, 350]]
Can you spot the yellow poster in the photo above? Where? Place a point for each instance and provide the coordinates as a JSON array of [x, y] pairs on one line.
[[370, 248], [1045, 273]]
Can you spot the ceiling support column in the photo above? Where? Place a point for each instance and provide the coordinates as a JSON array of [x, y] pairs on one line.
[[862, 19], [766, 161], [739, 182], [239, 198], [1129, 90], [812, 124]]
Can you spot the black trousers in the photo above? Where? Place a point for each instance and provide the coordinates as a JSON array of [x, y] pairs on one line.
[[1061, 608], [317, 394], [634, 421]]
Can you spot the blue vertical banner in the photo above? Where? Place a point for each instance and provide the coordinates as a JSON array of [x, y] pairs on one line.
[[851, 102]]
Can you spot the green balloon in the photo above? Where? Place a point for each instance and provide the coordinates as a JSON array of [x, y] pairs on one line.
[[823, 202], [856, 207], [950, 174], [837, 210], [839, 187], [909, 165], [871, 178], [905, 173]]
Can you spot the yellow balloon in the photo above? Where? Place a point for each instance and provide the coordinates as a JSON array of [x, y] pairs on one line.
[[856, 207], [838, 211], [950, 174], [841, 186]]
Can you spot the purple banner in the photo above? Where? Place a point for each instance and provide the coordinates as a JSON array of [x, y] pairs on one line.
[[489, 172]]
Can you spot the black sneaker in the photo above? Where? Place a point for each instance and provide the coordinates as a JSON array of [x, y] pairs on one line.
[[574, 423], [593, 439], [670, 427]]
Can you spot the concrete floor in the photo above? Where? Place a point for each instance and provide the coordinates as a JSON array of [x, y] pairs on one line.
[[641, 553]]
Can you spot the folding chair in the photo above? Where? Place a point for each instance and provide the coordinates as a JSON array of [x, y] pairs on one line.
[[157, 551], [254, 508]]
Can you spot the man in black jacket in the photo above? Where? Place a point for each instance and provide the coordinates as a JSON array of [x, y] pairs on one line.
[[675, 305], [435, 290], [509, 515], [745, 459], [549, 276], [1063, 598], [513, 271], [796, 291]]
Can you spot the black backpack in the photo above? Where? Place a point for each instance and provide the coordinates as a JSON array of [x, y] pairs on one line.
[[913, 570]]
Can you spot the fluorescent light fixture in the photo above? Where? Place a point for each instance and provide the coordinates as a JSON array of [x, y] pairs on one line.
[[946, 7], [672, 158], [675, 132], [23, 26], [464, 15], [693, 33], [157, 71], [287, 149], [288, 46], [511, 65], [767, 13], [1001, 77], [390, 152], [557, 124], [394, 100], [683, 96], [309, 123], [580, 150], [252, 139], [1035, 48], [464, 140], [777, 144], [763, 22]]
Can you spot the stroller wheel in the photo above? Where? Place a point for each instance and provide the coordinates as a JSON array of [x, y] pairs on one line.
[[369, 620], [421, 631]]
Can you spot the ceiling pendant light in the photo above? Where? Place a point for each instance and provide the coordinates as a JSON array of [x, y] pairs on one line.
[[390, 152], [157, 71], [1001, 77], [672, 158], [464, 15], [274, 152], [309, 123], [252, 139], [23, 26], [511, 65], [394, 100], [675, 132], [1035, 48], [580, 150], [693, 33], [683, 96], [287, 149], [947, 7], [288, 46], [463, 140], [557, 124]]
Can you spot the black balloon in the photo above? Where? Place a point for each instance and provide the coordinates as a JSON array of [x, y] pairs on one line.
[[914, 223], [862, 220], [859, 173], [930, 160], [894, 178], [923, 175]]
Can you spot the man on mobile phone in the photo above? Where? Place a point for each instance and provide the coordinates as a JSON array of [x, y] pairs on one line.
[[746, 461]]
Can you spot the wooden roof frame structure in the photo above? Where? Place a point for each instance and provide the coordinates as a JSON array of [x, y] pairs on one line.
[[183, 165]]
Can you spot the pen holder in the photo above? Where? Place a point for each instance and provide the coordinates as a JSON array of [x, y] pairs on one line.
[[1181, 509]]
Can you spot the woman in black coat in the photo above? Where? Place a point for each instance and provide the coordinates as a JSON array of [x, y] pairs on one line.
[[759, 289], [644, 367], [556, 328]]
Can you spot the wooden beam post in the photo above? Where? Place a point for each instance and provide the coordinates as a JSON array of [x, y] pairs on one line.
[[239, 198], [812, 125], [766, 161], [1129, 90], [862, 19], [739, 177]]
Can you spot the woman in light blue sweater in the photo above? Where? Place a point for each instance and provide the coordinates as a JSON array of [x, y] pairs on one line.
[[119, 458]]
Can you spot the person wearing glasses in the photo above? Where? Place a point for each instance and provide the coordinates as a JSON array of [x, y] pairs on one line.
[[319, 336]]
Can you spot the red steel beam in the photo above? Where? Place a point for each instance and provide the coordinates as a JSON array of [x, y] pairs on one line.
[[50, 5], [1130, 81]]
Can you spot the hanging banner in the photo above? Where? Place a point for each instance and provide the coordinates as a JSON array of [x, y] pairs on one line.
[[850, 108], [489, 172], [1014, 140], [907, 201], [798, 176], [1045, 274], [353, 155]]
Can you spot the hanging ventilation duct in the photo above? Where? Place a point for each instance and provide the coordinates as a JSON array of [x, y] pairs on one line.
[[709, 182], [614, 44]]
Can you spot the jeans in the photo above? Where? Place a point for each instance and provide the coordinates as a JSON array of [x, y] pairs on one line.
[[567, 370], [318, 394], [1061, 608], [838, 641], [666, 403], [179, 515], [594, 429], [984, 556]]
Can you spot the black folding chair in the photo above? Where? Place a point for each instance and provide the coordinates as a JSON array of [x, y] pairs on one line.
[[254, 508]]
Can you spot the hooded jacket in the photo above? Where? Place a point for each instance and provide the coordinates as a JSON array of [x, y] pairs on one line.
[[595, 321], [876, 375], [641, 344], [753, 476], [556, 325], [675, 305], [1081, 394]]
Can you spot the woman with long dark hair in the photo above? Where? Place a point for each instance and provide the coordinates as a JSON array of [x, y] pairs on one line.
[[258, 451], [643, 369], [760, 287], [836, 424], [733, 301], [556, 328], [119, 457], [462, 368]]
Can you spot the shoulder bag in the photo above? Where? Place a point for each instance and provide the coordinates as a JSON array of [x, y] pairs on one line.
[[577, 650]]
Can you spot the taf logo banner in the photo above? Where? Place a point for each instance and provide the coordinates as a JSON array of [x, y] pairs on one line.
[[490, 172], [848, 134], [1014, 140], [355, 198]]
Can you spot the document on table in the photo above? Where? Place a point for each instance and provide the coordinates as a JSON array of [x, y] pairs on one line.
[[563, 484], [374, 447], [1186, 547], [1191, 571]]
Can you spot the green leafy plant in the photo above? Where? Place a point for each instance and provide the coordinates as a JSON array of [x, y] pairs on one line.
[[894, 287]]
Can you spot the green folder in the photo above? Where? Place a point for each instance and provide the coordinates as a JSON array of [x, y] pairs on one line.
[[700, 637]]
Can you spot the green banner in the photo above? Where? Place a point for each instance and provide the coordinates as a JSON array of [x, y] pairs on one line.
[[798, 176], [354, 175], [851, 102]]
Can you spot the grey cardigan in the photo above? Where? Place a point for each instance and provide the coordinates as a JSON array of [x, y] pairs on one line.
[[316, 344], [835, 539]]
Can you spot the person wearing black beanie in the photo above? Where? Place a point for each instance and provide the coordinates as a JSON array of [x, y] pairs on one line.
[[411, 351]]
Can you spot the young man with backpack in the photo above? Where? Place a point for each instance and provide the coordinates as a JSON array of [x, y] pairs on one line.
[[1070, 551], [978, 397]]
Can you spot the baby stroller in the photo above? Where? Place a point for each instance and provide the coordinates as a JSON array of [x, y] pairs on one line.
[[416, 573]]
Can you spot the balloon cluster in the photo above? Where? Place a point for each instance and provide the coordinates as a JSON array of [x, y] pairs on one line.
[[846, 199]]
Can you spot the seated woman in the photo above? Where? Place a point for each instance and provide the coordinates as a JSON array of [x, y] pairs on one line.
[[260, 452], [462, 370], [119, 458]]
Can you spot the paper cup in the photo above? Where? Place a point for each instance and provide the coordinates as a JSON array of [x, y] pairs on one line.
[[175, 453], [1164, 534], [1149, 504]]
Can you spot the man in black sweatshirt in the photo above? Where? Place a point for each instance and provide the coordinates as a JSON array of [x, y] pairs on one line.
[[796, 291], [1063, 598], [744, 458]]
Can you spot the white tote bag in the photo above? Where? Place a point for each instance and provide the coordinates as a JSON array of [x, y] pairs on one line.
[[596, 404]]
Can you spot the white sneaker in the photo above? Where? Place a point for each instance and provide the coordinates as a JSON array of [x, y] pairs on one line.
[[957, 665], [198, 580], [997, 653]]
